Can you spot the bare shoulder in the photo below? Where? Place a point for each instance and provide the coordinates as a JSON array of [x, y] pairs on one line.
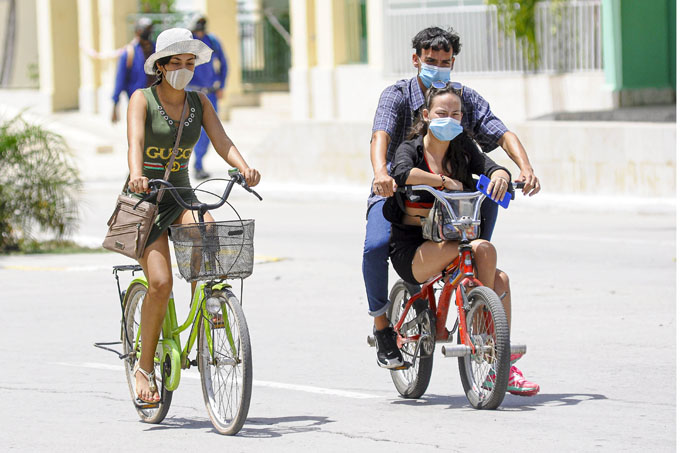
[[138, 100], [202, 97]]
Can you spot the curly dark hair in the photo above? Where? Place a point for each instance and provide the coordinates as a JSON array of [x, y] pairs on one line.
[[160, 62], [437, 39], [457, 157]]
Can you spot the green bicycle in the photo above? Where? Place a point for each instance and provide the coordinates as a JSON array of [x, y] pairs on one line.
[[208, 253]]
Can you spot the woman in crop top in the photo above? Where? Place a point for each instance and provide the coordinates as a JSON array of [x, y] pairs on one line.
[[441, 156]]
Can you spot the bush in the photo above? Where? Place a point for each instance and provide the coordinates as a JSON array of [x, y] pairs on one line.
[[38, 184]]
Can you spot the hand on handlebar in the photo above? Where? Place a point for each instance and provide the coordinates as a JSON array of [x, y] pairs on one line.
[[252, 177], [452, 184], [139, 184], [531, 184], [383, 185], [497, 187]]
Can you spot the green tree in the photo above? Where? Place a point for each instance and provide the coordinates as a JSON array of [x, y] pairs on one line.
[[38, 184], [156, 6], [519, 17]]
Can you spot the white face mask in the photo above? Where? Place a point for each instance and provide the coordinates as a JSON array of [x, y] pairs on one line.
[[179, 78]]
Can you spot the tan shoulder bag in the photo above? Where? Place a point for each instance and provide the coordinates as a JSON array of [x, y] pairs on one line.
[[131, 221]]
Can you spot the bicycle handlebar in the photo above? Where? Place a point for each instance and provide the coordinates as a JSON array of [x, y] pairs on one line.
[[236, 178], [408, 190], [442, 196]]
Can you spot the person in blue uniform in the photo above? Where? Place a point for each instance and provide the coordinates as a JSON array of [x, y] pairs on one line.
[[130, 74], [210, 80]]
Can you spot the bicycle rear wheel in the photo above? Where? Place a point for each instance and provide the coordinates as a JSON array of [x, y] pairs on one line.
[[225, 364], [134, 300], [484, 374], [413, 381]]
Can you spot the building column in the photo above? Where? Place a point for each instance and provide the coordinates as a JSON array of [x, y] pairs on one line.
[[329, 52], [58, 50], [375, 34], [222, 22], [88, 33], [303, 53], [114, 33]]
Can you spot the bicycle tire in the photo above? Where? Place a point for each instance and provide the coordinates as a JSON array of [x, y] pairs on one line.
[[492, 357], [133, 311], [227, 404], [413, 381]]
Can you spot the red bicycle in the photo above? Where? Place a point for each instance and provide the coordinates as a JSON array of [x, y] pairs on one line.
[[419, 316]]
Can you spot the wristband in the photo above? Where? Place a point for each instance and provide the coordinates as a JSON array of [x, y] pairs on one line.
[[443, 186]]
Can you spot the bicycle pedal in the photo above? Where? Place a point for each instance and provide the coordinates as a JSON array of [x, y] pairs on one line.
[[139, 404], [405, 366]]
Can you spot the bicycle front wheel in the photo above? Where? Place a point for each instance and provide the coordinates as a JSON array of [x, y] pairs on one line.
[[484, 373], [132, 347], [413, 381], [225, 364]]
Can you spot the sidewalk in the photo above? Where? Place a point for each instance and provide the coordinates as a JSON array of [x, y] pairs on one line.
[[297, 157]]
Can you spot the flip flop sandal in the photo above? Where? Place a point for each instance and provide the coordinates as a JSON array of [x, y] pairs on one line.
[[151, 378]]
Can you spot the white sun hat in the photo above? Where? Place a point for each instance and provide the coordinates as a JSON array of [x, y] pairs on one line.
[[175, 41]]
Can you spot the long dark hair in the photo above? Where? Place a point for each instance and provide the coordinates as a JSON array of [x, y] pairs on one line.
[[159, 75], [456, 159]]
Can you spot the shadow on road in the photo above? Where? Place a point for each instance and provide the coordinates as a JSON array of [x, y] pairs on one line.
[[271, 427], [510, 403], [279, 426]]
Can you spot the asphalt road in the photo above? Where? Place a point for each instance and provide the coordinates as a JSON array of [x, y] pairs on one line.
[[594, 299]]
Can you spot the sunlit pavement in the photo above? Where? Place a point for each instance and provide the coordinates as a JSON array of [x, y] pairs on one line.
[[593, 290]]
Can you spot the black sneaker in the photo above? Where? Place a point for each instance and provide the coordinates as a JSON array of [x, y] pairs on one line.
[[201, 174], [389, 355]]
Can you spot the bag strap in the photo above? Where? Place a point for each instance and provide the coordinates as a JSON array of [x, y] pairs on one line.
[[168, 168]]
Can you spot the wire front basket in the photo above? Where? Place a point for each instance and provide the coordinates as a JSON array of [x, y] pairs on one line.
[[440, 226], [214, 249]]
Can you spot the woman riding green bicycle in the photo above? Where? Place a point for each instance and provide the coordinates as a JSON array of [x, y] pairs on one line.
[[153, 119]]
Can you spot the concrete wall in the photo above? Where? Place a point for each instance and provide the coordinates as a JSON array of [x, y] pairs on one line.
[[569, 157], [603, 158], [355, 89]]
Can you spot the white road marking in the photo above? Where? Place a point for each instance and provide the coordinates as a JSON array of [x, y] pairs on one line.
[[259, 259], [258, 383]]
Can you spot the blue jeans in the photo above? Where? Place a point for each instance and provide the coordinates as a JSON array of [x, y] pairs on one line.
[[376, 253], [489, 212], [377, 249], [201, 146]]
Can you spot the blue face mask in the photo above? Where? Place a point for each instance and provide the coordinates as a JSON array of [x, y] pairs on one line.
[[445, 129], [429, 74]]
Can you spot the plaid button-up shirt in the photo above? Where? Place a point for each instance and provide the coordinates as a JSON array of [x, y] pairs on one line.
[[400, 105]]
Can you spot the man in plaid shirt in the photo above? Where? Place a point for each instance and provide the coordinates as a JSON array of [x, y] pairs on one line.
[[398, 108]]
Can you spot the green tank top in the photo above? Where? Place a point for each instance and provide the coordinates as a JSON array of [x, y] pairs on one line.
[[159, 138]]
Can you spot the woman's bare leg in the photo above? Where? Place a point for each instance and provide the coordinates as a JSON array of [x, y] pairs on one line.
[[502, 285], [156, 265], [485, 262], [433, 257]]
